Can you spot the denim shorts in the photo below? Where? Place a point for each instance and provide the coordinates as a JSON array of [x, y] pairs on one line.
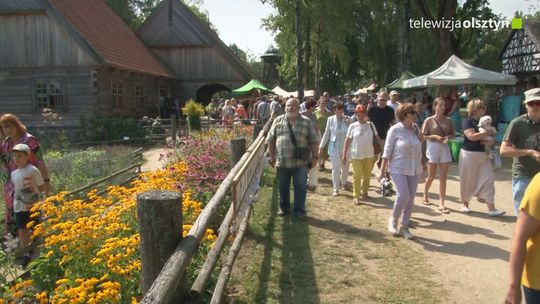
[[519, 184]]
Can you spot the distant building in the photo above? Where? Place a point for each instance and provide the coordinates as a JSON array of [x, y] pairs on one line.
[[520, 55], [78, 57]]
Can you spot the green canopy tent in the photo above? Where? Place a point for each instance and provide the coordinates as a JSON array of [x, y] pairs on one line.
[[398, 83], [250, 88]]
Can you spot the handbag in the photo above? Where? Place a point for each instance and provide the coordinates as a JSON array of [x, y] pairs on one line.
[[299, 152], [376, 143], [496, 159]]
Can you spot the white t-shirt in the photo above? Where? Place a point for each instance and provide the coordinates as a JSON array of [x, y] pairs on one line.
[[27, 178], [362, 140]]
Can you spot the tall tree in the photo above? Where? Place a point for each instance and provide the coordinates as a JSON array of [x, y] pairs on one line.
[[453, 41], [299, 56]]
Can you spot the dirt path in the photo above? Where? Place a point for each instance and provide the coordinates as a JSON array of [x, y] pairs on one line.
[[469, 252], [154, 159], [349, 257]]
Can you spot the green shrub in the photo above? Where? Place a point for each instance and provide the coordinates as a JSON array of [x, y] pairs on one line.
[[97, 128]]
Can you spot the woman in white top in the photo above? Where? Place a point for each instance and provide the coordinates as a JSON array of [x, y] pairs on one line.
[[334, 136], [402, 157], [360, 141]]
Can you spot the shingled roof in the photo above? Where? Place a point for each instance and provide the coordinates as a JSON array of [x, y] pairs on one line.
[[109, 37]]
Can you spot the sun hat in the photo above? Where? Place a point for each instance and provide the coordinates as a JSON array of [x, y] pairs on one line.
[[394, 92], [382, 95], [532, 95], [22, 148], [360, 109]]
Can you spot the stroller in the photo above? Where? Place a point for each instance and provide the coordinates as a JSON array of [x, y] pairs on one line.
[[386, 186]]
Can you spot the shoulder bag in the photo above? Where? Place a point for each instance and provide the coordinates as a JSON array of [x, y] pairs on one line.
[[299, 152], [376, 143]]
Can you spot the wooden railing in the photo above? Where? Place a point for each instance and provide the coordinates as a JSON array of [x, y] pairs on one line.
[[243, 181]]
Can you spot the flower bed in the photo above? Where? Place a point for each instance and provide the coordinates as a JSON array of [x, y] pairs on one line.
[[90, 251]]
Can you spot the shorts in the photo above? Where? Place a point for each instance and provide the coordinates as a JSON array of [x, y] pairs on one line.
[[438, 153], [22, 219]]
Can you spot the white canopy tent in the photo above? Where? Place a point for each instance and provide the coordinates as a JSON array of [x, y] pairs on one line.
[[366, 90], [457, 72], [281, 92]]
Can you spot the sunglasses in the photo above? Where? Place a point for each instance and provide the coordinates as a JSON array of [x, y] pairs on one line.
[[411, 112], [533, 103]]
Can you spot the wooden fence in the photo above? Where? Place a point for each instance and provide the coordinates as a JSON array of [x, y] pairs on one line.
[[242, 181]]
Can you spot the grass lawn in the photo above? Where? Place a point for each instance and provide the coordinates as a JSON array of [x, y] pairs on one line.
[[341, 254]]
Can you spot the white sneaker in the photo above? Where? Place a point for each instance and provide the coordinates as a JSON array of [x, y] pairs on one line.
[[392, 226], [335, 193], [465, 209], [496, 213], [404, 231]]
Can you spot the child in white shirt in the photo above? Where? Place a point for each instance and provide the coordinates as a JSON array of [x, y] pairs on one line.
[[28, 184]]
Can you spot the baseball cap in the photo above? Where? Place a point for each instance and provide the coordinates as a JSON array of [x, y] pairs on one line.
[[382, 95], [360, 109], [394, 92], [22, 148], [532, 95]]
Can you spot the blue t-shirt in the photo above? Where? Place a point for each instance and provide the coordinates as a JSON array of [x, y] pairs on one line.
[[468, 145]]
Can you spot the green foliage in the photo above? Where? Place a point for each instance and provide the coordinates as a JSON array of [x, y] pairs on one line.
[[371, 41], [74, 169], [97, 128], [193, 108]]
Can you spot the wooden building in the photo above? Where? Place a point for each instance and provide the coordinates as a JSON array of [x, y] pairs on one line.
[[193, 51], [521, 55], [77, 57]]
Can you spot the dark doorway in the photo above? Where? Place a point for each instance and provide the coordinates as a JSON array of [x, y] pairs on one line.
[[204, 93]]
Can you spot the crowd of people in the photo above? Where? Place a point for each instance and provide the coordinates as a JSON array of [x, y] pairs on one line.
[[402, 137], [405, 139]]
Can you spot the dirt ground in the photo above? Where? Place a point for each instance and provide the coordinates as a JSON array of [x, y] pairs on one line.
[[469, 252], [455, 258]]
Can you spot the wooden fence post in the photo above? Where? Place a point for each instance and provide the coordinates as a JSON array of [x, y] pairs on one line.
[[173, 130], [160, 228], [238, 148]]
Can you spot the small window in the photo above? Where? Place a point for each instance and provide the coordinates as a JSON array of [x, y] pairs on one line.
[[139, 96], [163, 89], [117, 95], [49, 94]]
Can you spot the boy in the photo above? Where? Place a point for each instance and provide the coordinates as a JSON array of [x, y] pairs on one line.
[[28, 184]]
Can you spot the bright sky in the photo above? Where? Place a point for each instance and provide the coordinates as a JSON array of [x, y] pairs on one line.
[[239, 21]]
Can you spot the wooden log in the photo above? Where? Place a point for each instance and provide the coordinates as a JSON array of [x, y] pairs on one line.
[[206, 270], [227, 266], [238, 148], [160, 226]]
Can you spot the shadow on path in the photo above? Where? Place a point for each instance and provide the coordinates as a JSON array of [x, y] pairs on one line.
[[297, 282], [468, 249]]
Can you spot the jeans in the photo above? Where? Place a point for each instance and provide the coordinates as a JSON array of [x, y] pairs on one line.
[[299, 179], [532, 296], [406, 190], [519, 184]]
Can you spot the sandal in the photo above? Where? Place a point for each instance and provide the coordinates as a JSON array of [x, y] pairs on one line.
[[426, 203], [356, 202], [444, 210]]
